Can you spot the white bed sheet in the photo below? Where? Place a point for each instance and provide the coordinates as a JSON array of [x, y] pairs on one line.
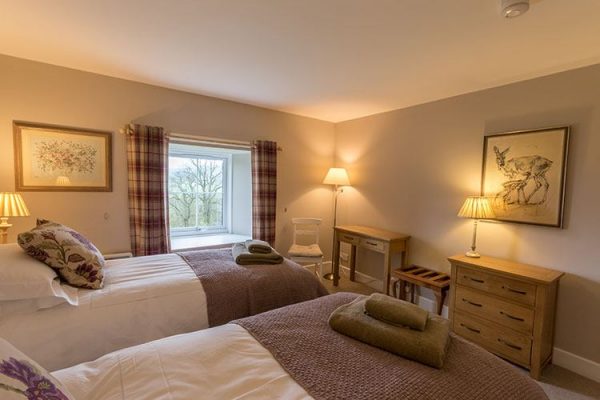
[[143, 299], [224, 362]]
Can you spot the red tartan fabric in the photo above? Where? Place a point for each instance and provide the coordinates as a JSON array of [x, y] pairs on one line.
[[264, 190], [147, 152]]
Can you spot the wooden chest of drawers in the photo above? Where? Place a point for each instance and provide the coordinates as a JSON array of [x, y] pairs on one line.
[[506, 307]]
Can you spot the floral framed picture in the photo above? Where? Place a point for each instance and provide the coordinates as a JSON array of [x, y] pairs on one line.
[[61, 159], [524, 175]]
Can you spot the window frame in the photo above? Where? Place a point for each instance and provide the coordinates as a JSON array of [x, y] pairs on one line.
[[226, 201]]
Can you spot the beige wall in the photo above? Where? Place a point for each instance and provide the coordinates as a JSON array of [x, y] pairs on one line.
[[412, 168], [39, 92]]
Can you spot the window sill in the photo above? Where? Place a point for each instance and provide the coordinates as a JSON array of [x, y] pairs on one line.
[[206, 242]]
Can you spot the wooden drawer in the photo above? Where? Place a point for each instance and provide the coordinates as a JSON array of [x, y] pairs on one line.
[[502, 341], [348, 238], [372, 244], [508, 314], [512, 289]]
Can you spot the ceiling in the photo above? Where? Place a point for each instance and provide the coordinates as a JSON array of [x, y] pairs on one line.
[[329, 59]]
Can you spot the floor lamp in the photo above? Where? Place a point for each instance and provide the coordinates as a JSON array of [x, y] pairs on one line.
[[336, 177]]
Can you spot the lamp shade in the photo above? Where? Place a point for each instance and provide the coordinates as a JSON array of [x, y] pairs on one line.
[[476, 207], [12, 205], [337, 176]]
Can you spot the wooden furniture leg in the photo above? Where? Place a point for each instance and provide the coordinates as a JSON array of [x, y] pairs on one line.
[[388, 269], [352, 262], [336, 259], [402, 295]]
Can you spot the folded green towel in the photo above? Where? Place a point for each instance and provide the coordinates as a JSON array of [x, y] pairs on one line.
[[258, 246], [395, 311], [242, 256], [427, 347]]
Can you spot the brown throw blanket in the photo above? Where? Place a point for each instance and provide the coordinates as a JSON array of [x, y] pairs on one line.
[[236, 291], [395, 311], [329, 365], [427, 347]]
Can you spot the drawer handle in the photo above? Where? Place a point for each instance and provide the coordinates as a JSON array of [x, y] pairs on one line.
[[471, 303], [514, 290], [474, 279], [372, 243], [512, 346], [469, 328], [348, 238], [512, 317]]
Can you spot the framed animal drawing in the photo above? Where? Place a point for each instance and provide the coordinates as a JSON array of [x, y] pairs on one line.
[[524, 175]]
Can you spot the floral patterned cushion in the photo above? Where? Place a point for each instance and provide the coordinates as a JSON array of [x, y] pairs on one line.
[[76, 260], [22, 378]]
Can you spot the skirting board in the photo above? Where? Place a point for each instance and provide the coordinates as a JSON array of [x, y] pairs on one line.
[[582, 366]]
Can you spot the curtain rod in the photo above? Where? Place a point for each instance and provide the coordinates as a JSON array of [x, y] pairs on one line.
[[212, 140]]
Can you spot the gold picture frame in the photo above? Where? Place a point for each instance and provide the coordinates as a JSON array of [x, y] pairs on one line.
[[52, 158], [524, 175]]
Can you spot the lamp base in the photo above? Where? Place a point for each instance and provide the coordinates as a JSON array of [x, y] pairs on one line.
[[328, 276], [472, 254]]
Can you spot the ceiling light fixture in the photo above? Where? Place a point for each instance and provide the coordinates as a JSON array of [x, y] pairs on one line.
[[514, 8]]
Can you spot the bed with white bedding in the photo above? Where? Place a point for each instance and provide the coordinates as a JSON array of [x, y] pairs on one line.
[[269, 356], [143, 299]]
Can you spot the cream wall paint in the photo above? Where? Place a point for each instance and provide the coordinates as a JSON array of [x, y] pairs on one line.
[[412, 168], [39, 92]]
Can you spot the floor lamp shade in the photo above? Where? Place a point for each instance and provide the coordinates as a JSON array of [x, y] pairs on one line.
[[476, 207], [337, 176]]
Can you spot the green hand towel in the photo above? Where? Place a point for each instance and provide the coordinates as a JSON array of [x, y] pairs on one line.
[[395, 311], [258, 246], [427, 347], [242, 256]]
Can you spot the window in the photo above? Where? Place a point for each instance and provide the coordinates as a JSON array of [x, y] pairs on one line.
[[210, 190]]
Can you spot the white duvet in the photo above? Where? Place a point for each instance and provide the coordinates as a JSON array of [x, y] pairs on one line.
[[143, 299], [225, 362]]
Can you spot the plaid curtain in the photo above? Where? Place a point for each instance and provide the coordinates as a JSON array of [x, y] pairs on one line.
[[147, 152], [264, 190]]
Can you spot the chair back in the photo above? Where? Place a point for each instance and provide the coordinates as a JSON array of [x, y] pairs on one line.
[[306, 228]]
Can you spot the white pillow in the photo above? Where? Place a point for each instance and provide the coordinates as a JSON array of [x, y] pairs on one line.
[[24, 278], [21, 377]]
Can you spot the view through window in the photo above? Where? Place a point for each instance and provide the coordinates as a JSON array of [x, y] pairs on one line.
[[201, 189]]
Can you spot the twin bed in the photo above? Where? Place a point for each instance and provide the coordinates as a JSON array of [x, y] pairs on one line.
[[147, 298], [290, 353], [143, 337]]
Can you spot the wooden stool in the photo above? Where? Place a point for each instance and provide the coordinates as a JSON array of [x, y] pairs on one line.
[[415, 275]]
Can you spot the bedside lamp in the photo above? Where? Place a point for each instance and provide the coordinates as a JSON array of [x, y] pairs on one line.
[[476, 208], [11, 205], [336, 177]]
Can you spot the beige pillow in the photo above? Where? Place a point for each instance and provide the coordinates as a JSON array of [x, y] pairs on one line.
[[76, 260]]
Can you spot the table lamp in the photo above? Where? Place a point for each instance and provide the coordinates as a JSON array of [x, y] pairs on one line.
[[476, 207], [11, 205], [336, 177]]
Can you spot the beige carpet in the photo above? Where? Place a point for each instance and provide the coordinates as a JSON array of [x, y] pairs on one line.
[[557, 382]]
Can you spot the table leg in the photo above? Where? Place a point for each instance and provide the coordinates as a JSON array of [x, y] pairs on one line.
[[387, 271], [352, 262], [335, 268]]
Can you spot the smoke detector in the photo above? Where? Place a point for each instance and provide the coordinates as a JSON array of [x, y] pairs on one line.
[[514, 8]]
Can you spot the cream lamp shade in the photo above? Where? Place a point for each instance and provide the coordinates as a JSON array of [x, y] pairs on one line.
[[337, 176], [11, 205], [476, 207]]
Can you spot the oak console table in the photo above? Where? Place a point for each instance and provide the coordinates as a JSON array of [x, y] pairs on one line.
[[378, 240]]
